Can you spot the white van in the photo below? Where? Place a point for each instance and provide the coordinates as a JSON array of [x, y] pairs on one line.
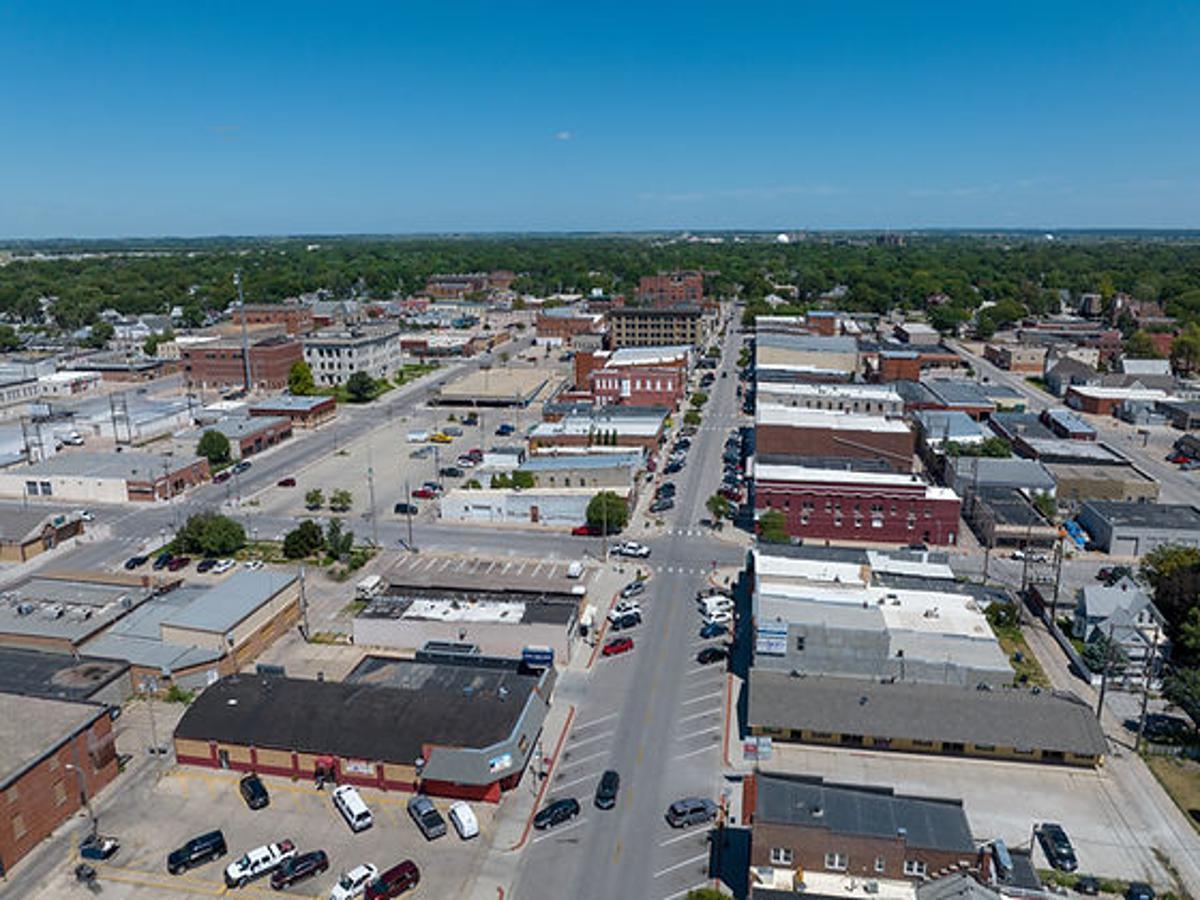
[[463, 818], [352, 808], [369, 587], [418, 437], [575, 570], [709, 605]]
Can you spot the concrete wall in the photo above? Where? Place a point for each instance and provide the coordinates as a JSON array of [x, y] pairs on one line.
[[68, 489], [494, 639], [515, 506]]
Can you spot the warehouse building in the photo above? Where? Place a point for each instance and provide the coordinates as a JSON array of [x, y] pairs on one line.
[[596, 470], [636, 427], [247, 435], [497, 388], [441, 724], [27, 533], [105, 477], [1104, 401], [1080, 482], [304, 412], [1134, 529], [807, 357], [562, 506], [1018, 725]]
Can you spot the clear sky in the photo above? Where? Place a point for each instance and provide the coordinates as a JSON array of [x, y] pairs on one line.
[[207, 117]]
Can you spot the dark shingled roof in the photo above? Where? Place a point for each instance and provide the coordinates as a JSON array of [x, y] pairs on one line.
[[927, 822], [904, 710], [417, 704]]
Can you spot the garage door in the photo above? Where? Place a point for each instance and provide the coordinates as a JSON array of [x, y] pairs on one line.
[[1124, 546]]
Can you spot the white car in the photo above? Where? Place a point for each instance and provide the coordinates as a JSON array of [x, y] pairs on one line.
[[223, 565], [463, 819], [257, 862], [710, 604], [718, 617], [85, 515], [253, 564], [352, 884], [624, 608], [632, 548]]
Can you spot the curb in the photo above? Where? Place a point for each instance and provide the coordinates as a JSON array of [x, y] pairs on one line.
[[725, 736], [537, 801]]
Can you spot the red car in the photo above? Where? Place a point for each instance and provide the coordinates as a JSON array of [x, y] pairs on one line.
[[585, 531], [425, 493], [617, 646], [286, 482], [177, 563]]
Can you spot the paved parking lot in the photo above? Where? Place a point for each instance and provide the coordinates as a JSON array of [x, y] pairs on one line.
[[187, 802]]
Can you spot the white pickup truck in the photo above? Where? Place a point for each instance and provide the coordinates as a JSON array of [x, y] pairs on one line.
[[257, 862]]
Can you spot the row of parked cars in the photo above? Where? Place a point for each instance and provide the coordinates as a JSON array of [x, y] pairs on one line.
[[284, 865], [172, 563]]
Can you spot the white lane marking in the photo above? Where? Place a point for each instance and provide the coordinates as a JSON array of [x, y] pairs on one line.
[[685, 891], [700, 715], [711, 696], [695, 734], [682, 837], [687, 862], [717, 670], [607, 718], [589, 740], [555, 832], [695, 752], [558, 786], [574, 762]]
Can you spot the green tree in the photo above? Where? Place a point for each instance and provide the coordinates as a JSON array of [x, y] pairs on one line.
[[1101, 653], [211, 534], [698, 399], [314, 499], [607, 510], [338, 543], [705, 893], [150, 346], [214, 447], [691, 417], [1166, 560], [1046, 505], [772, 528], [1139, 345], [500, 480], [300, 379], [718, 507], [1182, 687], [1185, 350], [360, 387], [340, 500], [9, 340], [1188, 642], [101, 334], [304, 540], [522, 480]]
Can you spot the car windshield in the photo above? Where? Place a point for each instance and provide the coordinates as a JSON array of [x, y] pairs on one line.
[[346, 882], [244, 862]]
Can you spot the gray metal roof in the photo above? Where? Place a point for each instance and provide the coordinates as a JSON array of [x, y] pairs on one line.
[[546, 462], [1168, 516], [291, 403], [905, 710], [1028, 474], [808, 342], [130, 465], [853, 810], [953, 424], [1101, 602], [958, 392], [221, 607], [32, 727]]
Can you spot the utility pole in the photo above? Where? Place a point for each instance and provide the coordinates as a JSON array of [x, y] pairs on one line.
[[303, 606], [408, 513], [1146, 676], [371, 491], [237, 280], [1104, 673]]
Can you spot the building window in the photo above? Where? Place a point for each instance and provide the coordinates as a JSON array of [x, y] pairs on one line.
[[800, 643], [837, 862], [31, 488], [18, 827], [914, 867], [60, 794], [880, 864], [781, 856]]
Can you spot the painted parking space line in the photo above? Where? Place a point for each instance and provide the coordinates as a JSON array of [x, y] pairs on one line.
[[696, 734], [591, 740], [683, 837], [715, 711], [555, 832], [702, 698], [715, 670], [583, 725], [580, 780], [686, 891], [695, 752], [679, 865]]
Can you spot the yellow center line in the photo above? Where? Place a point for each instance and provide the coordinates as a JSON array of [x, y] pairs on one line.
[[617, 853]]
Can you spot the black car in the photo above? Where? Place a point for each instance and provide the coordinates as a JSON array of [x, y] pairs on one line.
[[405, 509], [711, 655], [662, 504], [666, 489], [254, 792], [450, 472], [196, 852], [1088, 886], [206, 564], [298, 868], [629, 620], [135, 561], [1057, 847], [673, 468], [241, 467], [606, 790], [557, 812], [1139, 890], [162, 561]]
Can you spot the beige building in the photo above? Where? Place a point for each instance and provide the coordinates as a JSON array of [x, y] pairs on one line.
[[656, 327], [1016, 357], [1078, 482]]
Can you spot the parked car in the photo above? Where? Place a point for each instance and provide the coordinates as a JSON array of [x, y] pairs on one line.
[[196, 852], [252, 565], [254, 792], [465, 462], [178, 562], [711, 655], [504, 429], [662, 505], [1190, 465], [453, 431], [222, 476], [257, 863], [440, 437], [1057, 847], [1088, 886], [405, 509], [135, 562], [394, 882], [718, 617], [624, 608], [555, 813], [205, 565], [606, 790], [617, 646], [222, 566], [98, 847], [627, 620], [425, 493], [633, 589], [666, 489], [427, 817], [1139, 890], [352, 884], [162, 561], [240, 467], [673, 468], [421, 453], [633, 549], [349, 803], [691, 811], [298, 868], [712, 630], [286, 482], [462, 817], [450, 472], [585, 531]]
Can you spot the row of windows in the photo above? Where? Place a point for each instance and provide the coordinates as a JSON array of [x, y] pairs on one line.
[[840, 862], [835, 506]]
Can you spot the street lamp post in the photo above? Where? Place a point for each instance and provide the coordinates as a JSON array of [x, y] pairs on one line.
[[83, 795]]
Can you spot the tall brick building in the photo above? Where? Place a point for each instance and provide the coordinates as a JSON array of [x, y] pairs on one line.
[[294, 318], [656, 327], [672, 288], [220, 366], [826, 434]]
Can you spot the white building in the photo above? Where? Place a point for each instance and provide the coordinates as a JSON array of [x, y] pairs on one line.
[[335, 354]]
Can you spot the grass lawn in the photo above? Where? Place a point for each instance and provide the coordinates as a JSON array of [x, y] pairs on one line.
[[1181, 779], [413, 371], [339, 392], [1013, 642]]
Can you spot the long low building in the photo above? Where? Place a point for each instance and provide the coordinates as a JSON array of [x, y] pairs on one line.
[[441, 724], [864, 399], [104, 477], [826, 434], [561, 506], [497, 387], [1134, 529], [1042, 727]]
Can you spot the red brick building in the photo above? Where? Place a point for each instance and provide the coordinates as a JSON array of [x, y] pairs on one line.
[[304, 412], [458, 285], [56, 752], [220, 366], [876, 507], [672, 288], [564, 323], [294, 318], [635, 377], [827, 434]]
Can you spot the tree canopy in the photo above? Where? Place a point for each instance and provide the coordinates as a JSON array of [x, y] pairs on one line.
[[607, 509], [211, 534], [214, 447], [300, 379]]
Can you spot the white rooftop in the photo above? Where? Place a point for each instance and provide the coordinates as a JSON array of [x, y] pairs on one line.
[[459, 611], [799, 417], [850, 391], [642, 426], [646, 356], [790, 473], [1118, 393], [769, 568]]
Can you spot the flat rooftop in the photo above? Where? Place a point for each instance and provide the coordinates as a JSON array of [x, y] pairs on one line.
[[800, 417], [482, 577], [66, 609], [804, 474], [129, 465], [1010, 507], [291, 403], [55, 676], [648, 356], [1064, 450], [451, 606], [1168, 516], [1084, 472], [497, 386], [879, 392], [31, 727], [237, 427], [572, 425], [809, 343]]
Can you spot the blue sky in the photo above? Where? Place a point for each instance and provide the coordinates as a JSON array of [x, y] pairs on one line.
[[256, 117]]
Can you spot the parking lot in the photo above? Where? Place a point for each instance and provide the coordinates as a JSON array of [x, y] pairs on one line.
[[188, 802]]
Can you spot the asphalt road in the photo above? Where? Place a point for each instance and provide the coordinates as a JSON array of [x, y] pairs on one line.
[[654, 715]]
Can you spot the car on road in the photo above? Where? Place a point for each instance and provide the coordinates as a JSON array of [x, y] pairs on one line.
[[632, 549], [1139, 890], [633, 589], [504, 429], [712, 630], [425, 493], [196, 852], [1057, 846], [556, 812], [606, 790], [253, 791], [222, 476], [178, 562], [617, 646], [206, 565], [162, 561], [662, 504], [85, 515], [405, 509], [352, 884], [427, 817], [240, 467], [691, 811], [257, 863], [135, 562], [286, 482], [440, 437], [462, 817], [395, 881], [710, 655], [298, 868], [585, 531]]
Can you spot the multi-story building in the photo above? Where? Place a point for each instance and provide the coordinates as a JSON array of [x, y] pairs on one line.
[[805, 357], [651, 376], [1016, 357], [294, 317], [672, 288], [825, 434], [868, 399], [336, 354], [459, 285], [563, 323], [220, 365], [656, 326], [879, 507]]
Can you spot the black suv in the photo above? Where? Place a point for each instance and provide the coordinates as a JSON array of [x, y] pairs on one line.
[[196, 852], [298, 868], [254, 792], [606, 790], [1057, 847], [711, 655], [450, 472], [556, 813]]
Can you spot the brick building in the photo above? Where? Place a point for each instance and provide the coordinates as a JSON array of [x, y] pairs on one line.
[[247, 434], [105, 477], [672, 288], [880, 507], [826, 434], [294, 318], [220, 365], [56, 753], [564, 323], [459, 285], [656, 327], [1016, 357], [304, 412], [1104, 401], [652, 376], [801, 822]]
